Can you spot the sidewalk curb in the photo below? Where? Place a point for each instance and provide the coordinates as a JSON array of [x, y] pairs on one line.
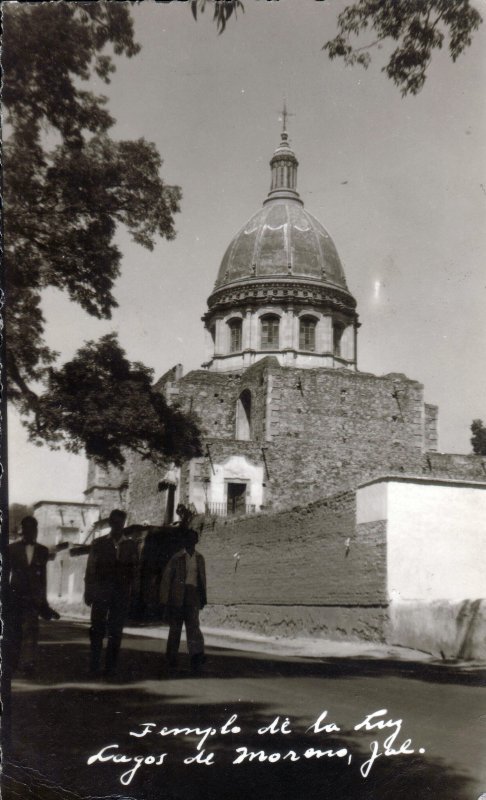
[[298, 647]]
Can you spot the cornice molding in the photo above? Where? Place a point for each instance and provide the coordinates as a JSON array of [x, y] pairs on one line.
[[281, 292]]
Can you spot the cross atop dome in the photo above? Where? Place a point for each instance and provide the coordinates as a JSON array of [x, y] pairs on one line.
[[284, 116], [284, 166]]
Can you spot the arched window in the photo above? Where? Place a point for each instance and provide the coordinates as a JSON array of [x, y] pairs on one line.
[[337, 335], [307, 334], [243, 416], [269, 332], [235, 327]]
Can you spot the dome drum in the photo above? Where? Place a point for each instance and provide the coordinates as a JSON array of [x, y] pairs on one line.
[[300, 335]]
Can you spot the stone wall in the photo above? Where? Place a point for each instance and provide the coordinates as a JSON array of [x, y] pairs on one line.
[[212, 397], [431, 424], [322, 430], [106, 487], [364, 623], [454, 467], [304, 570], [332, 429], [145, 502], [315, 432]]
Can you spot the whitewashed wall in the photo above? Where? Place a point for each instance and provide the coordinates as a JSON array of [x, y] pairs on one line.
[[436, 537], [237, 468], [436, 556], [436, 541]]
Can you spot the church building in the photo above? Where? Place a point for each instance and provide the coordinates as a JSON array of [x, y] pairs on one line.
[[324, 505], [287, 416]]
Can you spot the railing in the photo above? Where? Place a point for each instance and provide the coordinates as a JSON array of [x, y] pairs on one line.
[[222, 510]]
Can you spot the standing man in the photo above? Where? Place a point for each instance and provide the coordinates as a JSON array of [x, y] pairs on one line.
[[27, 596], [183, 592], [109, 578]]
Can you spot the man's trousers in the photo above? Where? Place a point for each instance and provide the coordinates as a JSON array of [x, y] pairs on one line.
[[188, 615], [24, 637], [107, 618]]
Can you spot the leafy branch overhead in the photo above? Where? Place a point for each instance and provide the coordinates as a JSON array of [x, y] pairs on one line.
[[222, 11], [102, 403], [418, 27], [67, 186]]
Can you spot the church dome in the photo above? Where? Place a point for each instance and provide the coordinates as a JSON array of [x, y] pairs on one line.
[[281, 288], [282, 239]]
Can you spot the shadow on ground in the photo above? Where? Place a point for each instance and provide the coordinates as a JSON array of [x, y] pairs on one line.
[[61, 718], [142, 658]]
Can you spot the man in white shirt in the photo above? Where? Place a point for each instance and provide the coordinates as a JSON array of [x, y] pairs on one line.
[[183, 592]]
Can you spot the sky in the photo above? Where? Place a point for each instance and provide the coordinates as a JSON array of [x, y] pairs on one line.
[[399, 183]]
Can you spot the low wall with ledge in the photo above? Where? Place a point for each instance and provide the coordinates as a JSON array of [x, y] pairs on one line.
[[436, 551]]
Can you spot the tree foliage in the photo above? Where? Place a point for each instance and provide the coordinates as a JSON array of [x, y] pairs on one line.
[[478, 439], [416, 26], [67, 186], [101, 402], [222, 11]]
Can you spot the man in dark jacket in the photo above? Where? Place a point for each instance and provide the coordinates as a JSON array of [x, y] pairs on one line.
[[183, 593], [27, 595], [109, 578]]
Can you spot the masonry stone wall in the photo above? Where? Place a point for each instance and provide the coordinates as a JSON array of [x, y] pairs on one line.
[[106, 487], [212, 398], [315, 432], [302, 563], [355, 623], [431, 424], [303, 571], [332, 429], [319, 430], [307, 570], [145, 502], [454, 466]]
